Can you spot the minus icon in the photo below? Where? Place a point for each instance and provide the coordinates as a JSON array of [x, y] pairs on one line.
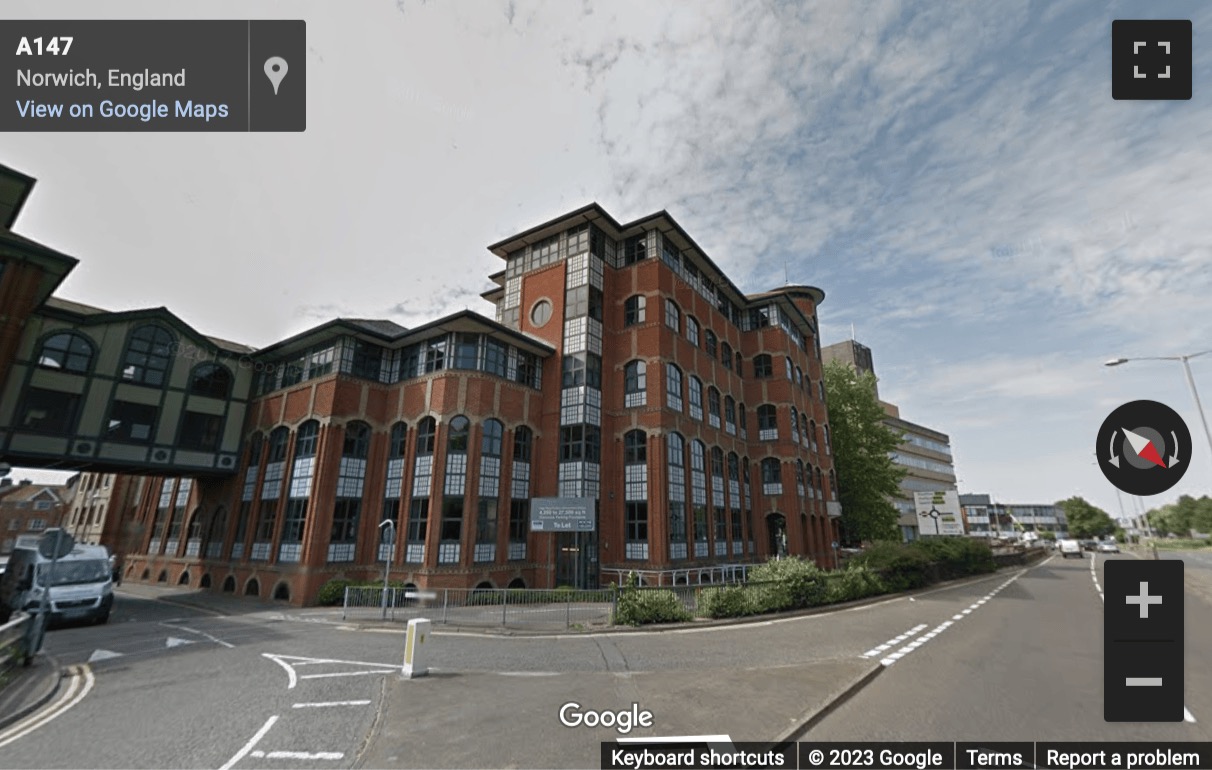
[[1143, 681]]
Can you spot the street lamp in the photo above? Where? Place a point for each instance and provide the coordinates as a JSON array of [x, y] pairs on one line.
[[391, 549], [1190, 381]]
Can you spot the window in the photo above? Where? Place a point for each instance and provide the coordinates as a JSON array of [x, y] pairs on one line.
[[799, 376], [583, 369], [828, 441], [790, 369], [148, 356], [418, 519], [739, 371], [522, 444], [730, 415], [435, 355], [580, 443], [713, 407], [426, 431], [635, 383], [633, 310], [397, 444], [583, 301], [277, 444], [692, 330], [635, 447], [669, 254], [740, 413], [772, 477], [490, 443], [711, 343], [131, 422], [812, 434], [496, 357], [486, 529], [467, 351], [635, 249], [68, 351], [799, 477], [451, 531], [768, 427], [762, 366], [519, 525], [49, 411], [726, 356], [367, 359], [201, 431], [795, 425], [540, 314], [637, 530], [696, 398], [673, 387], [673, 316], [456, 436], [357, 440], [212, 380]]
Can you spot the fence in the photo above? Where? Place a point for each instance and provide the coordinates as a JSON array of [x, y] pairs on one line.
[[691, 576], [13, 642], [486, 607]]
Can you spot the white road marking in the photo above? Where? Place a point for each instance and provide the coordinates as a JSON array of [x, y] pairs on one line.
[[331, 703], [103, 655], [81, 683], [1187, 715], [301, 661], [894, 641], [214, 639], [290, 671], [173, 641], [297, 755], [344, 673], [251, 743]]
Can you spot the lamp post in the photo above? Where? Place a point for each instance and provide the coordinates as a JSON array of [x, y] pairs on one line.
[[1199, 407], [391, 550]]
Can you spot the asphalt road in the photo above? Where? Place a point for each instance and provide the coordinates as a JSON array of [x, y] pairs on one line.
[[1027, 667], [1011, 656]]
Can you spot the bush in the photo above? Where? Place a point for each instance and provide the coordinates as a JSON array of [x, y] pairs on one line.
[[787, 584], [639, 606], [857, 581], [729, 602], [899, 566], [957, 556], [333, 592]]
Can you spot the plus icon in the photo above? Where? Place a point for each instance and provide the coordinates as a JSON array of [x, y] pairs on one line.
[[1151, 59], [1144, 600]]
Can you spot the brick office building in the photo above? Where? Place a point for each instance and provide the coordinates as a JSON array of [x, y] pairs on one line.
[[622, 365]]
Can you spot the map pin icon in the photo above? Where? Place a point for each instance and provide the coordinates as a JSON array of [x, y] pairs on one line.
[[275, 70]]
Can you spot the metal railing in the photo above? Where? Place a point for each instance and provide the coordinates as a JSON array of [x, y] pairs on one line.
[[14, 641], [485, 607], [687, 576]]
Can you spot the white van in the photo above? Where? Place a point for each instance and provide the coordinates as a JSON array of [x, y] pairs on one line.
[[1071, 548], [80, 584]]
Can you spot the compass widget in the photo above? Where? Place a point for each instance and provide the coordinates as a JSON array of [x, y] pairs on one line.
[[1143, 448]]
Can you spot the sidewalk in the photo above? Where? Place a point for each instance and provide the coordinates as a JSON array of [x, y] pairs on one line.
[[27, 688]]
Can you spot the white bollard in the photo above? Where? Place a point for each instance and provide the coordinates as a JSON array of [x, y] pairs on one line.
[[415, 653]]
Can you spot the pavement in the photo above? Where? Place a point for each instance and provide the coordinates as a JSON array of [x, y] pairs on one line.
[[28, 688]]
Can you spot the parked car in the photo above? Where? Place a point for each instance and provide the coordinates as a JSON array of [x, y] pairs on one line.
[[1071, 548], [1109, 547], [78, 586]]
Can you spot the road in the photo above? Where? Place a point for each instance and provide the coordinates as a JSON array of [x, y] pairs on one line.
[[1011, 656]]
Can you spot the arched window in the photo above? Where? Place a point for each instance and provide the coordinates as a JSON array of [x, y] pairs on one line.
[[490, 442], [799, 477], [68, 351], [696, 397], [804, 428], [456, 437], [357, 440], [828, 441], [677, 450], [633, 310], [255, 442], [726, 356], [673, 387], [717, 462], [772, 477], [820, 482], [812, 434], [739, 371], [730, 415], [790, 369], [277, 444], [635, 383], [635, 447], [673, 316], [713, 406], [523, 440], [426, 430], [762, 366], [216, 533], [768, 427], [742, 421], [711, 343], [398, 442], [808, 386], [795, 425], [305, 440], [799, 376], [692, 330], [393, 487], [210, 380], [832, 485], [148, 356]]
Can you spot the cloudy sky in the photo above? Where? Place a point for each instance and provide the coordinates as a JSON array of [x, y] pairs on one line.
[[954, 175]]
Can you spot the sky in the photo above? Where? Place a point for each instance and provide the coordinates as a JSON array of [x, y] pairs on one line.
[[955, 176]]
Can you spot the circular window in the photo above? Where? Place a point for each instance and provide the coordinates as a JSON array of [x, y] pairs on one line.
[[540, 313]]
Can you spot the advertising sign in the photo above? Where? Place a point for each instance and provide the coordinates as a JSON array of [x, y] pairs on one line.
[[938, 513], [562, 514]]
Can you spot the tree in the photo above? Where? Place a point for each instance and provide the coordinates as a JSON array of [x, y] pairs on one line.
[[867, 478], [1085, 520]]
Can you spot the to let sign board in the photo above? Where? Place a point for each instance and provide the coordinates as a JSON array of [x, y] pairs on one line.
[[562, 514]]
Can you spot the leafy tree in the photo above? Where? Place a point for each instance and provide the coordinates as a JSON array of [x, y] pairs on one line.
[[867, 478], [1085, 520]]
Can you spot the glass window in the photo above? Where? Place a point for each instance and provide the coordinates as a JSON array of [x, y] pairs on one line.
[[426, 430], [456, 437], [49, 411], [635, 447], [692, 330], [523, 444], [200, 431], [673, 387], [493, 433], [711, 343], [148, 356], [357, 440], [635, 383], [673, 316], [131, 422], [580, 443], [277, 444], [713, 404], [771, 471], [467, 351], [762, 366], [582, 369], [496, 356], [399, 435], [211, 380], [68, 351], [435, 355], [635, 249], [677, 450], [739, 372], [633, 310], [726, 355], [790, 368], [305, 439]]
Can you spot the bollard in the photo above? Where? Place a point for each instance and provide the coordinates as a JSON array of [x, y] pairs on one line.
[[416, 654]]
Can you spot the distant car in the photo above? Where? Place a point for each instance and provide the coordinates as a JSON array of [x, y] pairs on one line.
[[1108, 548], [1071, 548], [1089, 545]]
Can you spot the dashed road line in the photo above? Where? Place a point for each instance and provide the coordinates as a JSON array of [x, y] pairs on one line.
[[297, 755], [893, 642], [329, 704]]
